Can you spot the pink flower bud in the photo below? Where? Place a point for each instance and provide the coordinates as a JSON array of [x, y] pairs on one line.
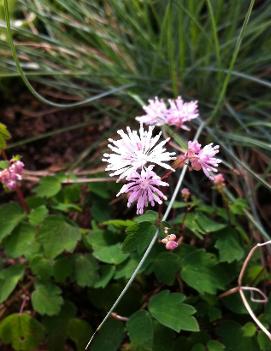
[[219, 180], [171, 245], [185, 194]]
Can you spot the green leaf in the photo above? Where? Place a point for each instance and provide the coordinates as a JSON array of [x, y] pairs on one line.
[[119, 223], [98, 238], [200, 224], [63, 268], [163, 338], [238, 206], [198, 347], [4, 136], [229, 246], [57, 326], [22, 242], [107, 273], [214, 345], [47, 299], [138, 237], [110, 254], [100, 190], [59, 206], [140, 331], [85, 270], [263, 341], [233, 337], [78, 331], [42, 267], [148, 216], [110, 337], [125, 270], [249, 329], [37, 215], [9, 278], [165, 267], [169, 309], [100, 211], [56, 235], [200, 271], [22, 331], [49, 186], [10, 216]]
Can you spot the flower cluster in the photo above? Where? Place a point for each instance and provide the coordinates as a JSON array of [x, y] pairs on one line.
[[134, 156], [10, 176], [170, 242], [143, 188], [176, 114], [203, 158]]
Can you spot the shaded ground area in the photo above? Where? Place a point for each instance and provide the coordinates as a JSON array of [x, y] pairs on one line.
[[60, 136]]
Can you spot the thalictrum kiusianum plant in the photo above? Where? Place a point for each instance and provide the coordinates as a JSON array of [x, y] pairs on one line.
[[227, 43], [60, 273]]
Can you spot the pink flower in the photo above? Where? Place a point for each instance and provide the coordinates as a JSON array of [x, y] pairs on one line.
[[194, 147], [143, 188], [10, 176], [185, 194], [180, 112], [203, 158], [155, 113], [168, 238], [171, 245], [134, 150]]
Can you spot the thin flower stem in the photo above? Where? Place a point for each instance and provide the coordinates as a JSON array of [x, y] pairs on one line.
[[149, 248], [22, 200]]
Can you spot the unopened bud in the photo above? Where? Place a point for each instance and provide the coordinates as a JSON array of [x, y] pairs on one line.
[[171, 245], [219, 181], [185, 194]]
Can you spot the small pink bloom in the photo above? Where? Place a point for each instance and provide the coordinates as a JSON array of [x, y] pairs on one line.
[[185, 194], [171, 245], [180, 112], [203, 158], [155, 113], [194, 147], [10, 176], [134, 150], [143, 188]]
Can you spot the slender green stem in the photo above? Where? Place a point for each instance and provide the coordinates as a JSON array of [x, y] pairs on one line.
[[149, 248], [33, 90]]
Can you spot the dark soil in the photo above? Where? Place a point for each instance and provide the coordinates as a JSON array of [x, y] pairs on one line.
[[26, 118]]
